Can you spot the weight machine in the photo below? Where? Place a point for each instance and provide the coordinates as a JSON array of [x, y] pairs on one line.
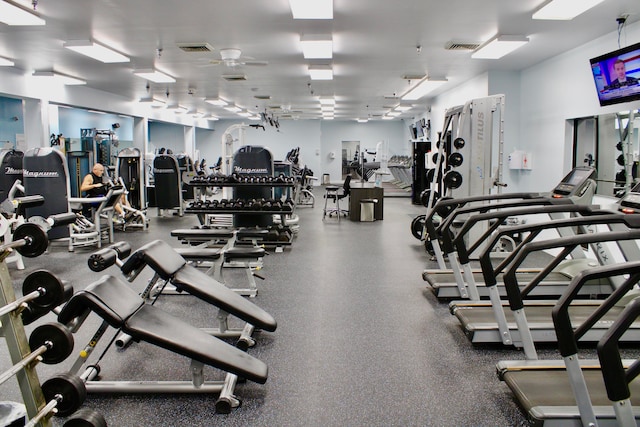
[[469, 160]]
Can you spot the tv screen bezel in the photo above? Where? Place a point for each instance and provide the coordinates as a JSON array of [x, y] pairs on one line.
[[608, 56]]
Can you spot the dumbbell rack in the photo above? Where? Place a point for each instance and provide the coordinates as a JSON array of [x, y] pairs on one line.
[[223, 183], [14, 333]]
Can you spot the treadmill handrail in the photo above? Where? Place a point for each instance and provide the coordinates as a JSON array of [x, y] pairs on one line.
[[461, 247], [448, 221], [515, 295], [443, 203], [444, 230], [567, 336], [594, 217], [616, 377]]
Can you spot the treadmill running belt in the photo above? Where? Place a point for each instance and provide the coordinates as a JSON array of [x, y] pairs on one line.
[[540, 391]]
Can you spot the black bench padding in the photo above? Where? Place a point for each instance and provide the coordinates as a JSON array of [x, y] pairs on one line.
[[198, 254], [169, 265], [243, 253], [201, 233], [123, 309], [193, 281]]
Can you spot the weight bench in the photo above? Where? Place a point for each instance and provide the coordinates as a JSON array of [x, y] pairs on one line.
[[170, 266], [217, 259], [121, 308]]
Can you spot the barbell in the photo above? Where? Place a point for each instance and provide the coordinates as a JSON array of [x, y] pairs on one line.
[[50, 343], [65, 393], [42, 291], [30, 238]]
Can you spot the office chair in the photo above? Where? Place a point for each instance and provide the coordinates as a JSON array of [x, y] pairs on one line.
[[333, 192]]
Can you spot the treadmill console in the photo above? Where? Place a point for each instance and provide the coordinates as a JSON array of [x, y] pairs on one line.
[[630, 204], [575, 183]]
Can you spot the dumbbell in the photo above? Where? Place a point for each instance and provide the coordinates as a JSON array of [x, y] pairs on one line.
[[30, 239], [50, 343], [42, 291], [458, 143], [426, 194], [65, 393]]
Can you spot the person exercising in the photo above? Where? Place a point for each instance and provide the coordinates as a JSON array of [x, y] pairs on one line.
[[619, 70], [94, 186]]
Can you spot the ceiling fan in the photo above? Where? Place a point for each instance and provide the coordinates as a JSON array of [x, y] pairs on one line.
[[233, 57]]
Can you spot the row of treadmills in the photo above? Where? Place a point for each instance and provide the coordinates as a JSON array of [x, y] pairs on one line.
[[569, 276]]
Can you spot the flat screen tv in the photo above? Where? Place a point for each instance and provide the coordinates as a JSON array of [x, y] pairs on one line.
[[617, 75], [413, 132]]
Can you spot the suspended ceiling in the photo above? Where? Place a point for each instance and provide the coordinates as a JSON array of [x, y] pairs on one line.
[[381, 47]]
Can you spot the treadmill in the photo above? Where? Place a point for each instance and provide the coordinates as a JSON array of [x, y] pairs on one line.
[[491, 323], [576, 391], [577, 187]]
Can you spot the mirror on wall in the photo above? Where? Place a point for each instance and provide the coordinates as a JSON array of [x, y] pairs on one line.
[[611, 144]]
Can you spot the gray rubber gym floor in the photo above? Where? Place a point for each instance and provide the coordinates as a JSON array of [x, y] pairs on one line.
[[361, 341]]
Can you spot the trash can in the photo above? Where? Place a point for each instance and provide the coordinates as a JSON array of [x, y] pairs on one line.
[[326, 179], [367, 209]]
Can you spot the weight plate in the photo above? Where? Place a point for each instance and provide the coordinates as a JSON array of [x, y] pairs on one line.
[[53, 289], [619, 146], [444, 211], [72, 390], [424, 198], [453, 179], [458, 143], [620, 160], [417, 226], [86, 417], [60, 338], [621, 176], [455, 159], [434, 158], [36, 240]]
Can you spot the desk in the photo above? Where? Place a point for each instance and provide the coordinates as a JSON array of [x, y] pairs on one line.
[[361, 191]]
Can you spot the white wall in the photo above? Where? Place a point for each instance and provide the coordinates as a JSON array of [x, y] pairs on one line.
[[316, 139], [553, 91]]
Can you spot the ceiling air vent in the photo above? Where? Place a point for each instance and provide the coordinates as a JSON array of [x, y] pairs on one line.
[[234, 77], [265, 97], [457, 45], [195, 47], [392, 97]]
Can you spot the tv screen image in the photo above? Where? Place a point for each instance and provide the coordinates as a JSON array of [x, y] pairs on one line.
[[617, 75]]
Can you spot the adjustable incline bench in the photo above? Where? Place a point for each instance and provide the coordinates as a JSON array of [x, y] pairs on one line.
[[246, 257], [169, 266], [121, 308]]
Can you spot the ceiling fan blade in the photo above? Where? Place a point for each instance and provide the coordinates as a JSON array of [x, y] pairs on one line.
[[256, 63]]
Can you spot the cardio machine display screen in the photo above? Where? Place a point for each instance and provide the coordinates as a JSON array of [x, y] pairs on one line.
[[577, 176]]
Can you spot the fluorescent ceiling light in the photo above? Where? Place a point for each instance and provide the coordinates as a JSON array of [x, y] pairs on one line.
[[564, 9], [255, 118], [327, 117], [311, 9], [317, 46], [245, 114], [216, 101], [388, 117], [96, 51], [362, 120], [403, 108], [324, 108], [4, 62], [60, 78], [12, 14], [154, 102], [421, 89], [499, 46], [327, 100], [154, 76], [394, 113], [320, 72], [233, 109], [212, 118]]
